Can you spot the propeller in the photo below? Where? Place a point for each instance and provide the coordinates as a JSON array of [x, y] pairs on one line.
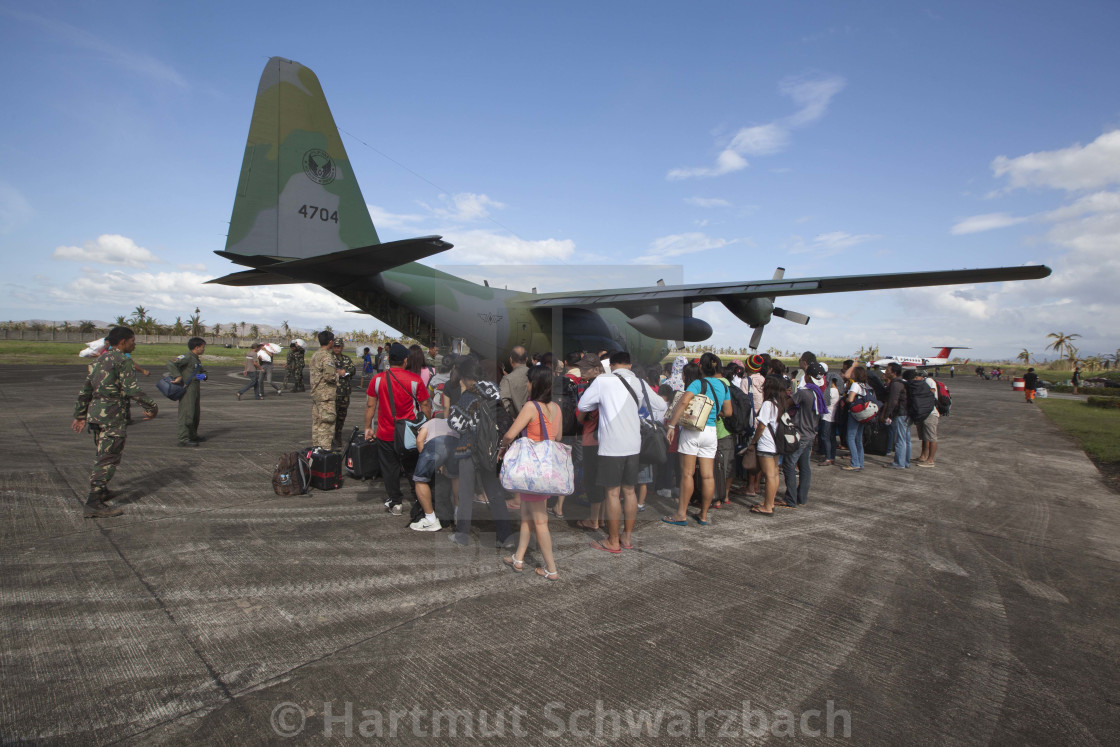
[[789, 316]]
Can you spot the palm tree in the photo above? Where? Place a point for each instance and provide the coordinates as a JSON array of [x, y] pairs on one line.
[[197, 328], [1093, 362], [1071, 355], [1025, 357], [86, 326], [284, 326], [255, 332], [217, 331], [178, 328], [120, 321], [1062, 342]]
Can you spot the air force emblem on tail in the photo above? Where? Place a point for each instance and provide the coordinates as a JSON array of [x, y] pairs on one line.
[[318, 166], [491, 318]]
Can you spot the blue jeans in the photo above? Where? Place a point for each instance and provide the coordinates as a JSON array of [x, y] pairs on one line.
[[900, 429], [437, 452], [254, 384], [855, 442], [827, 439], [800, 460]]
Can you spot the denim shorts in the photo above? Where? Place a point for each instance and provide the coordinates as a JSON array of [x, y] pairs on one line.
[[438, 452]]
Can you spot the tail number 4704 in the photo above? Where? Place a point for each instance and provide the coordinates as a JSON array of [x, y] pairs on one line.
[[312, 212]]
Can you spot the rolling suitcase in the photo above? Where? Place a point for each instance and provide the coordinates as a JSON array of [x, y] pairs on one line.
[[361, 460], [876, 438], [326, 469]]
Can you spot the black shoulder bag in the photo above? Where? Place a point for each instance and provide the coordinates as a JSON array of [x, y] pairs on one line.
[[655, 447]]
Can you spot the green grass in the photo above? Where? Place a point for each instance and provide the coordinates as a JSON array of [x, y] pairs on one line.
[[154, 356], [1097, 430]]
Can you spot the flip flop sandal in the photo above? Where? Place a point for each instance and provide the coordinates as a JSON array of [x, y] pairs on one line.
[[597, 545], [626, 546], [674, 522], [548, 575], [583, 525], [755, 510]]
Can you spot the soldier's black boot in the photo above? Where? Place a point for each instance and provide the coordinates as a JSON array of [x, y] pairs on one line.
[[95, 507]]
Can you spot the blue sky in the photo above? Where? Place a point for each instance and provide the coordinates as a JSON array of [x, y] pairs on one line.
[[723, 138]]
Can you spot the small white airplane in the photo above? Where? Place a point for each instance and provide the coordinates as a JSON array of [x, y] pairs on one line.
[[941, 359]]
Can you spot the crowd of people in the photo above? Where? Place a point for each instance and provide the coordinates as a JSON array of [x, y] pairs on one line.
[[697, 432]]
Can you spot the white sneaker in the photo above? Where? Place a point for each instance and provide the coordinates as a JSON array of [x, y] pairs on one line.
[[424, 525], [396, 509]]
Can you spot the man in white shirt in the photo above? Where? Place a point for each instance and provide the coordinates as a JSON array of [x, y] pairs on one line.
[[265, 359], [620, 440]]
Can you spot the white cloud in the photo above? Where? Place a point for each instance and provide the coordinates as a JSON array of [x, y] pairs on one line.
[[677, 245], [707, 202], [195, 267], [15, 210], [489, 247], [171, 294], [382, 218], [833, 242], [464, 207], [136, 62], [985, 222], [108, 249], [812, 94], [1093, 166]]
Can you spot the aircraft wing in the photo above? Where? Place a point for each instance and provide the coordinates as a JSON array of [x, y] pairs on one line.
[[693, 294]]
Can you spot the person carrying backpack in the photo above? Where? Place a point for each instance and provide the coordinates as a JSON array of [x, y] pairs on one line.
[[809, 404], [896, 414], [927, 426], [474, 417], [861, 390]]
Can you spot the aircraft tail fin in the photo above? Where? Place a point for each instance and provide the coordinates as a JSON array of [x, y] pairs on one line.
[[946, 350], [297, 196]]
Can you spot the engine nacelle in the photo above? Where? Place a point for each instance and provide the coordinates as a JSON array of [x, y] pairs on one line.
[[756, 312], [672, 327]]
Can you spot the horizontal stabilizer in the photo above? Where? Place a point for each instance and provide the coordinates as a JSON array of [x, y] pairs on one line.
[[252, 277], [253, 260], [337, 269]]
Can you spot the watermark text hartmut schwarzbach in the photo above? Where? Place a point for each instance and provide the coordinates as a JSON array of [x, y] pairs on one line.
[[557, 719]]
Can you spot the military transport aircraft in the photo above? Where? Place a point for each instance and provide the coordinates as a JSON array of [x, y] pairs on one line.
[[299, 217]]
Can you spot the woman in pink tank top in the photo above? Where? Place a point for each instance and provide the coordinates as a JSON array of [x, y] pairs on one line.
[[539, 415]]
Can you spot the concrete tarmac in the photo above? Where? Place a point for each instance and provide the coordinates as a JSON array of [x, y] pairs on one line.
[[971, 603]]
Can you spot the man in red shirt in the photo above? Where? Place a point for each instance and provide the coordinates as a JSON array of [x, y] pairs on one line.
[[409, 395]]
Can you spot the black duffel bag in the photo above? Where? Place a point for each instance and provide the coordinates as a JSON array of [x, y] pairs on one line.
[[655, 444], [170, 389]]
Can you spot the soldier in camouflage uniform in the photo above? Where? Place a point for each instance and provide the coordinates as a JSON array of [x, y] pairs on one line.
[[187, 370], [342, 362], [293, 365], [101, 403], [324, 385]]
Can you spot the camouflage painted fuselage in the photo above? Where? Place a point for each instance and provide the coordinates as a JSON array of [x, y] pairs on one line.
[[298, 198]]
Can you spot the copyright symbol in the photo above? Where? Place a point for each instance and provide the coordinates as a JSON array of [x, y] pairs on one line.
[[288, 720]]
